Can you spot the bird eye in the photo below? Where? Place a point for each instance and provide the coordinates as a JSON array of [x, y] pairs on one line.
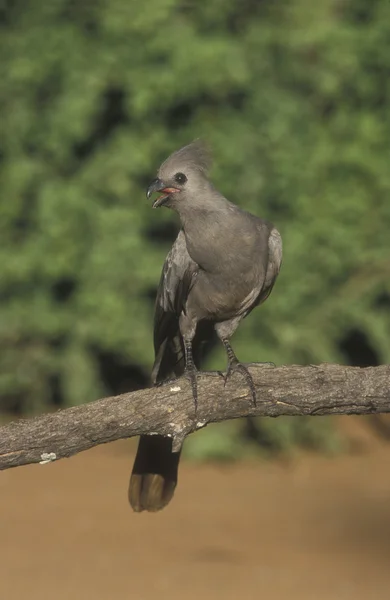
[[180, 178]]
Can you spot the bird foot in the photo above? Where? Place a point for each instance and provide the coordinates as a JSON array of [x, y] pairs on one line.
[[243, 369], [192, 376]]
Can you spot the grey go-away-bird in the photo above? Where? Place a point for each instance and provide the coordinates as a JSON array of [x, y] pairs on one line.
[[223, 263]]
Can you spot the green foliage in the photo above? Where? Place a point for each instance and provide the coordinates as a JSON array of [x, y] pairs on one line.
[[265, 436], [293, 96], [218, 442]]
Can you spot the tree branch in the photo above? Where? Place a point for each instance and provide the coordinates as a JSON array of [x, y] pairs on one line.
[[169, 409]]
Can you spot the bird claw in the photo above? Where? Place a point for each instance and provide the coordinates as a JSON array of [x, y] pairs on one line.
[[243, 369], [220, 374], [192, 376]]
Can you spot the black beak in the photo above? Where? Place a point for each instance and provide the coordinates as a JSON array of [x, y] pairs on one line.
[[159, 186], [156, 186]]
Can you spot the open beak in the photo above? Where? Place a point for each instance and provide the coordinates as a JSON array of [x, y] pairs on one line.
[[158, 186]]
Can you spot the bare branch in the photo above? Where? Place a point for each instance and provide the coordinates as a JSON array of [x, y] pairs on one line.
[[169, 409]]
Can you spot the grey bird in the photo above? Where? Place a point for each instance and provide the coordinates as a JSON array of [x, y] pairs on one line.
[[223, 263]]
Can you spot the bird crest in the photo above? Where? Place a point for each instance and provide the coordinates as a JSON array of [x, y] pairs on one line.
[[196, 155]]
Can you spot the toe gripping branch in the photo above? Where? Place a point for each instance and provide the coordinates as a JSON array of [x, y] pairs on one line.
[[235, 365], [190, 372]]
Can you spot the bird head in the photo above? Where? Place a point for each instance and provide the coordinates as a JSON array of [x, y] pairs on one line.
[[182, 175]]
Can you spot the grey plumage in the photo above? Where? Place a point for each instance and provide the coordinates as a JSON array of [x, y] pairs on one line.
[[223, 263]]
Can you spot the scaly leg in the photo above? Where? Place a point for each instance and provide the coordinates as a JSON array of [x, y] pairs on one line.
[[190, 371], [235, 365]]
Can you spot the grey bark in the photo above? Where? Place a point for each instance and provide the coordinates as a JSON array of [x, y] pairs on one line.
[[169, 410]]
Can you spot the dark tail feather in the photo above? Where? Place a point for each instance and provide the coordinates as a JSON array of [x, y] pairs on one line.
[[154, 476]]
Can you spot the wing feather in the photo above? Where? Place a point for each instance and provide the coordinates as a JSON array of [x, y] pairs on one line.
[[274, 262], [177, 278]]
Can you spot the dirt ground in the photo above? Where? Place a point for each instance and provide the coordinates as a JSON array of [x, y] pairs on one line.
[[314, 528]]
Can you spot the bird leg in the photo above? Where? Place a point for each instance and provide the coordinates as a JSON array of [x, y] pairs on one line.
[[235, 365], [190, 371]]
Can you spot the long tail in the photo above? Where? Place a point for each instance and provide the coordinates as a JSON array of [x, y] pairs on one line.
[[154, 476]]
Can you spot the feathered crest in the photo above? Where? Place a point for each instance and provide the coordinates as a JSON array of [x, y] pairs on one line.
[[196, 155]]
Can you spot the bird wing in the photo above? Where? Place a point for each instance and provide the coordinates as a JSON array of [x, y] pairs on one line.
[[274, 261], [275, 253], [177, 278]]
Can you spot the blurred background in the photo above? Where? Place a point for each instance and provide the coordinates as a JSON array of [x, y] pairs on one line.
[[293, 97]]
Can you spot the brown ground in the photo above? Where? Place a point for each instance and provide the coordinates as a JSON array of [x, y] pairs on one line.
[[314, 529]]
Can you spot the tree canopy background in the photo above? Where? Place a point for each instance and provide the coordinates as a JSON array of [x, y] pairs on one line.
[[293, 96]]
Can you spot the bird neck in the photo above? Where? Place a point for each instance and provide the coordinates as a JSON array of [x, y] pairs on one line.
[[203, 206]]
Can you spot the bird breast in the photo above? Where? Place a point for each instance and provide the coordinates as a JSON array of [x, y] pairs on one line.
[[218, 297]]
